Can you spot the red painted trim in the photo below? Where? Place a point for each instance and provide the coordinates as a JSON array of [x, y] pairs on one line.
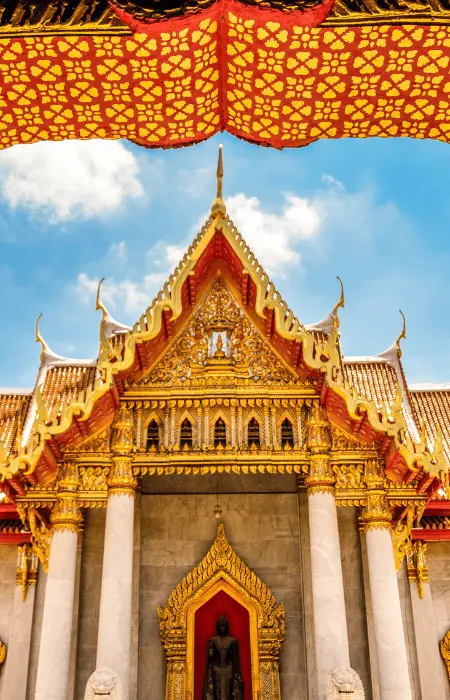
[[15, 538], [437, 508], [431, 535]]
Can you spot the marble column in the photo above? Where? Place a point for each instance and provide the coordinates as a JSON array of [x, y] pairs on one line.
[[115, 620], [56, 634], [428, 657], [330, 623], [390, 644], [16, 666]]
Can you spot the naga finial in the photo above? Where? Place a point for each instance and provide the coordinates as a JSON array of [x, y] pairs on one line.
[[40, 339], [99, 305], [341, 301], [218, 206], [401, 335]]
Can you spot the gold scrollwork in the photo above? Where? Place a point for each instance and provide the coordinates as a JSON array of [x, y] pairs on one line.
[[2, 653], [376, 515], [27, 566], [418, 565], [222, 569], [445, 652]]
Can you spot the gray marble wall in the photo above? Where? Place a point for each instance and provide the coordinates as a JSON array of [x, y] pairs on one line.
[[439, 568], [8, 559], [354, 595], [89, 601], [178, 530]]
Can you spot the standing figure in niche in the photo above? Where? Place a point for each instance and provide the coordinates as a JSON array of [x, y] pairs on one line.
[[223, 678]]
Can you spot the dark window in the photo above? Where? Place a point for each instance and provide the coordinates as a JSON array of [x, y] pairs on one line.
[[253, 433], [186, 434], [287, 433], [220, 433], [153, 435]]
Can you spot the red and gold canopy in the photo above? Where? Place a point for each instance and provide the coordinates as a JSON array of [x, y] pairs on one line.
[[258, 71]]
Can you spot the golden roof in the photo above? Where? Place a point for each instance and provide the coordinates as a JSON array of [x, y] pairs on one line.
[[14, 406], [432, 407]]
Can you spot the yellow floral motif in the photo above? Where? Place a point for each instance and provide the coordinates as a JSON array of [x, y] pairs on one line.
[[364, 86]]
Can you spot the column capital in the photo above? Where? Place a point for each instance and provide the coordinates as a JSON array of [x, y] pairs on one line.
[[376, 515], [321, 478], [418, 565], [66, 514], [121, 478]]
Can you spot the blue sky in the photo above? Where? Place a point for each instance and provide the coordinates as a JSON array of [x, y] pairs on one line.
[[375, 212]]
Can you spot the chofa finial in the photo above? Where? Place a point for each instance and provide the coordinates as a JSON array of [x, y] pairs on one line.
[[401, 335], [40, 339], [341, 301], [218, 206], [99, 305]]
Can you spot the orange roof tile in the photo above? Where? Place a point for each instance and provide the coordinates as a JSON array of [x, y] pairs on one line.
[[13, 409], [432, 405], [66, 383]]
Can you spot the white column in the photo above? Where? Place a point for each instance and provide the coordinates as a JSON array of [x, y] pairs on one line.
[[330, 623], [428, 657], [56, 634], [16, 667], [387, 616], [114, 628]]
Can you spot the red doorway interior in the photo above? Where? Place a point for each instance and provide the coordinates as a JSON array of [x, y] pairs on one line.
[[205, 628]]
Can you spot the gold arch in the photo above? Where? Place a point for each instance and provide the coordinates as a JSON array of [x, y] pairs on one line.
[[222, 569]]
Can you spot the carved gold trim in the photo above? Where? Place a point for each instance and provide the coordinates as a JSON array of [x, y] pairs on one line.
[[221, 569], [444, 647], [27, 566], [418, 565], [2, 653]]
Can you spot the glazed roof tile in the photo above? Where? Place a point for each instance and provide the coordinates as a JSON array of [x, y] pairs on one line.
[[66, 383], [14, 405], [432, 406]]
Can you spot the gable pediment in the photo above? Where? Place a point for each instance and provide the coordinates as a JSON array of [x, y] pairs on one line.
[[219, 345]]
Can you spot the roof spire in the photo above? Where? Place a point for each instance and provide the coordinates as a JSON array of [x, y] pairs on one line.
[[40, 339], [341, 301], [401, 335], [99, 305], [218, 206]]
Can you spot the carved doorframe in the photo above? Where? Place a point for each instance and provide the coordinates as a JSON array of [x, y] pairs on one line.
[[222, 569]]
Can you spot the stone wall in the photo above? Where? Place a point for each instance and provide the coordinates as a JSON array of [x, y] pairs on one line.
[[439, 568], [355, 608], [8, 560], [178, 530], [89, 602]]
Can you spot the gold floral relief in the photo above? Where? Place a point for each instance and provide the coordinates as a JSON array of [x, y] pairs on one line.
[[249, 355]]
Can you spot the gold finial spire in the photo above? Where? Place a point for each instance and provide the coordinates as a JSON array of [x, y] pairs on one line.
[[341, 301], [99, 305], [401, 335], [218, 206], [40, 339]]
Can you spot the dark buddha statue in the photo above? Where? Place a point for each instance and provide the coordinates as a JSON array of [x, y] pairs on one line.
[[223, 677]]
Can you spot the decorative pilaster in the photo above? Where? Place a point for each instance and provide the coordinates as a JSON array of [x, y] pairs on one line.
[[429, 663], [114, 629], [16, 670], [206, 425], [330, 623], [273, 411], [199, 426], [233, 425], [387, 617], [266, 426], [54, 652], [240, 428]]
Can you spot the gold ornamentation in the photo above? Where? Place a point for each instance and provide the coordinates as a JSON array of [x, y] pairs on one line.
[[221, 569], [41, 535], [2, 653], [349, 476], [401, 535], [250, 357], [376, 515], [321, 476], [27, 566], [445, 651], [93, 479], [121, 478], [66, 514], [54, 17], [418, 565]]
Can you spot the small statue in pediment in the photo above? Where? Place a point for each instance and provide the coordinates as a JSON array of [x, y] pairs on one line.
[[223, 677]]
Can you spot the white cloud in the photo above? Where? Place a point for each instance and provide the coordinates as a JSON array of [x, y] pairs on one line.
[[274, 237], [69, 179], [132, 296]]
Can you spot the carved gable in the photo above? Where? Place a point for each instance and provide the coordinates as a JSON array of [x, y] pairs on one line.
[[219, 345]]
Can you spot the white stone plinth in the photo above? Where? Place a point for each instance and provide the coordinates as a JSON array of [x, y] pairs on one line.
[[330, 623], [387, 617], [428, 657], [16, 667], [56, 634], [114, 629]]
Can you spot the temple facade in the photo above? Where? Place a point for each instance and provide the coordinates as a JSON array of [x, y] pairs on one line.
[[220, 459]]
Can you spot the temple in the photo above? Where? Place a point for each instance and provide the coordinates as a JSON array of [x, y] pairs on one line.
[[220, 459]]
